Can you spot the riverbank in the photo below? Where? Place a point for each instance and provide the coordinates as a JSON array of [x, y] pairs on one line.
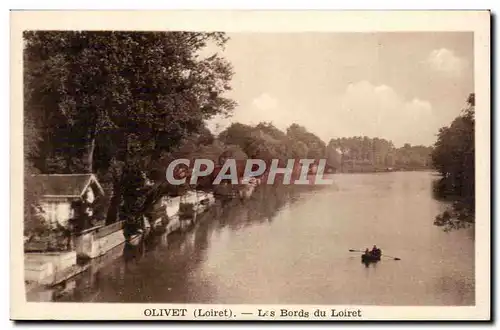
[[262, 205], [384, 170], [289, 245], [46, 270]]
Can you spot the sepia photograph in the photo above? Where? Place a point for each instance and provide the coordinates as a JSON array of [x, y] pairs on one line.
[[223, 172]]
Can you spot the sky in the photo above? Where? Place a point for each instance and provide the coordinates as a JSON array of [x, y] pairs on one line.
[[399, 86]]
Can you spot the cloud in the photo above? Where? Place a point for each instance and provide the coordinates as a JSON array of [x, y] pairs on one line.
[[263, 107], [265, 102], [445, 60], [363, 109], [371, 110]]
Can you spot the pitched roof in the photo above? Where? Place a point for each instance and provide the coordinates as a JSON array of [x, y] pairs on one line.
[[63, 185]]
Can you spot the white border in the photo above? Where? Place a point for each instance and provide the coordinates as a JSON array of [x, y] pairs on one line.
[[262, 21]]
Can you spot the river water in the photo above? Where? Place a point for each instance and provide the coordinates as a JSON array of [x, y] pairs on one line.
[[291, 246]]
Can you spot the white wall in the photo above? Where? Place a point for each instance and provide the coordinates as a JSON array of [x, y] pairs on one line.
[[57, 211]]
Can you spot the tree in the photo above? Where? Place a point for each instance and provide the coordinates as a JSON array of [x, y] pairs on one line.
[[334, 154], [263, 141], [412, 157], [31, 141], [453, 156], [237, 134], [316, 147], [113, 101]]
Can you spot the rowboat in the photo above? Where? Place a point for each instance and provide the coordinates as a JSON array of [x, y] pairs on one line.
[[370, 258]]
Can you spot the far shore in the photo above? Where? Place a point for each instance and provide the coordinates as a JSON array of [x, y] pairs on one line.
[[383, 171]]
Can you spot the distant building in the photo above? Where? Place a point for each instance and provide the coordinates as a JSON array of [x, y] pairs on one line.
[[62, 197]]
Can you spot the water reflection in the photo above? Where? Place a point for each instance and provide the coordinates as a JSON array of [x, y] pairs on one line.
[[459, 214], [290, 245], [369, 263], [180, 251]]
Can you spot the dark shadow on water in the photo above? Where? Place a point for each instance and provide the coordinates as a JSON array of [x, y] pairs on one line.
[[179, 253], [460, 213], [133, 252], [370, 263]]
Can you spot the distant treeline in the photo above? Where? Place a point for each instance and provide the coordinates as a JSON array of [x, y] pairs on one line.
[[364, 154], [265, 141]]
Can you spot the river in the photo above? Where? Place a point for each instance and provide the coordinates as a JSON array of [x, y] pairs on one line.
[[291, 246]]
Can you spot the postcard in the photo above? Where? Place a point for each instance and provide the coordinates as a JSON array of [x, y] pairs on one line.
[[250, 165]]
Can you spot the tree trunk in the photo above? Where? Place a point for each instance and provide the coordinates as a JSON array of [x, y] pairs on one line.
[[90, 155], [119, 180], [114, 203], [342, 162]]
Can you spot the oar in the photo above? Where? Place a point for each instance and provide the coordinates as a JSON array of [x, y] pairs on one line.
[[395, 258], [383, 255]]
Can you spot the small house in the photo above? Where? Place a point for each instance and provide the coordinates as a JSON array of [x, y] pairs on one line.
[[59, 195]]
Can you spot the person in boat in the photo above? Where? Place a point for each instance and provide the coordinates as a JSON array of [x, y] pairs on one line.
[[367, 257], [376, 252]]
